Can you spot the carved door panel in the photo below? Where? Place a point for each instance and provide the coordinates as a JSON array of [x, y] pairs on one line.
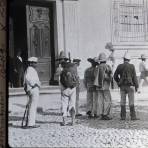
[[38, 36]]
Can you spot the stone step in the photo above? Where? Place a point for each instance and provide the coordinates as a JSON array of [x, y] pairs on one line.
[[43, 90]]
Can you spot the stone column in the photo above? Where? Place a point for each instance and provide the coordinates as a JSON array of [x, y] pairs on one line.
[[71, 26]]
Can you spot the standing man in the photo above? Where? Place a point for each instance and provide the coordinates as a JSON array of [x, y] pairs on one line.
[[18, 70], [125, 76], [62, 58], [77, 63], [68, 80], [89, 77], [143, 72], [31, 86], [102, 82]]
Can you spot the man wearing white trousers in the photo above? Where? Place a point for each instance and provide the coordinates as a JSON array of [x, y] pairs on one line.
[[31, 86]]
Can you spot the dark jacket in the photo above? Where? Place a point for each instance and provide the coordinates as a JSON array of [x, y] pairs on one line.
[[125, 75], [89, 77], [103, 77], [69, 76]]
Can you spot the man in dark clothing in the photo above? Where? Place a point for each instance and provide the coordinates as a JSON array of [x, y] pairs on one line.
[[89, 77], [18, 70], [125, 76]]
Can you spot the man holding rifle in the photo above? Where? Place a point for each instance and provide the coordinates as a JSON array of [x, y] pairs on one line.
[[31, 87]]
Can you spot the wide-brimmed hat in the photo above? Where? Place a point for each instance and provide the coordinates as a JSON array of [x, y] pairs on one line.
[[143, 56], [91, 60], [62, 56], [127, 56], [102, 57], [76, 60], [109, 46], [33, 59]]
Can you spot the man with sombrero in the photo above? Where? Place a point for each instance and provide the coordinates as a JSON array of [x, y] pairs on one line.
[[143, 72], [89, 77], [61, 59], [102, 83], [125, 76]]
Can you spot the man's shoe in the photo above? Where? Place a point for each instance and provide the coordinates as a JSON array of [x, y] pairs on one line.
[[33, 126], [122, 118], [105, 117], [135, 118], [63, 124], [78, 115]]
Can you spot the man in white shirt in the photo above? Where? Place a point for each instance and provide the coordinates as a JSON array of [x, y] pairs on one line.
[[143, 72], [31, 86]]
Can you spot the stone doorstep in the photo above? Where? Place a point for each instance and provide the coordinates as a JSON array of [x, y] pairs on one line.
[[43, 90]]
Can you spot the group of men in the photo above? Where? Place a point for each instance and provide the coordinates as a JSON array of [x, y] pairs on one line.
[[97, 80]]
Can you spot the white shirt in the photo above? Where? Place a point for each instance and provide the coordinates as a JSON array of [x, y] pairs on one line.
[[20, 58], [31, 78], [143, 66]]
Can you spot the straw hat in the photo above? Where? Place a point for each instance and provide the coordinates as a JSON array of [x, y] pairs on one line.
[[127, 56], [102, 57], [33, 59]]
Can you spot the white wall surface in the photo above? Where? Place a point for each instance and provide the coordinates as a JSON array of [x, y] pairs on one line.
[[94, 29]]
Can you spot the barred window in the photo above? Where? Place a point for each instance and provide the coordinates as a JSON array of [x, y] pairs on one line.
[[130, 21]]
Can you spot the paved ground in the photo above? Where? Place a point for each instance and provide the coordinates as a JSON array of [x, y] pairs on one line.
[[86, 132]]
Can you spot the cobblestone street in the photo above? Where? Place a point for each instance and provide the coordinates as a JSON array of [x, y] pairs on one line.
[[86, 132]]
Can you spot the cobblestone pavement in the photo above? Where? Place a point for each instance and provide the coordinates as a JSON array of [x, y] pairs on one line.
[[86, 132]]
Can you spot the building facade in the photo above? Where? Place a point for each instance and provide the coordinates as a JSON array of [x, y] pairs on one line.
[[43, 28]]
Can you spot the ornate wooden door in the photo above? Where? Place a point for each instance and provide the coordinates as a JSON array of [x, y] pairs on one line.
[[38, 36]]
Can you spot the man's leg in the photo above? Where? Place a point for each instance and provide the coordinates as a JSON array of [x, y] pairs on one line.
[[64, 108], [77, 101], [123, 104], [95, 103], [107, 105], [89, 102], [131, 103], [72, 102], [140, 85], [100, 105], [33, 106]]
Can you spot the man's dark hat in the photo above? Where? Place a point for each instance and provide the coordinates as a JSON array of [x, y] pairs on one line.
[[143, 56], [62, 56], [90, 60], [76, 60]]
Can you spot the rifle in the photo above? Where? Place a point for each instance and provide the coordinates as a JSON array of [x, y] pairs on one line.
[[26, 113], [69, 57]]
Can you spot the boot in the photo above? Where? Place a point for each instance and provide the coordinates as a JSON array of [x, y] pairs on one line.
[[133, 113], [123, 112], [72, 112]]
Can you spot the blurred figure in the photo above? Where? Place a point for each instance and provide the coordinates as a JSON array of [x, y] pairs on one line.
[[18, 71], [11, 72], [102, 82], [111, 60], [143, 72], [89, 77], [125, 76], [31, 87], [77, 63]]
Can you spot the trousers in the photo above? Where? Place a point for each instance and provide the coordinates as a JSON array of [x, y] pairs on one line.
[[104, 102], [68, 97], [33, 100], [127, 90]]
